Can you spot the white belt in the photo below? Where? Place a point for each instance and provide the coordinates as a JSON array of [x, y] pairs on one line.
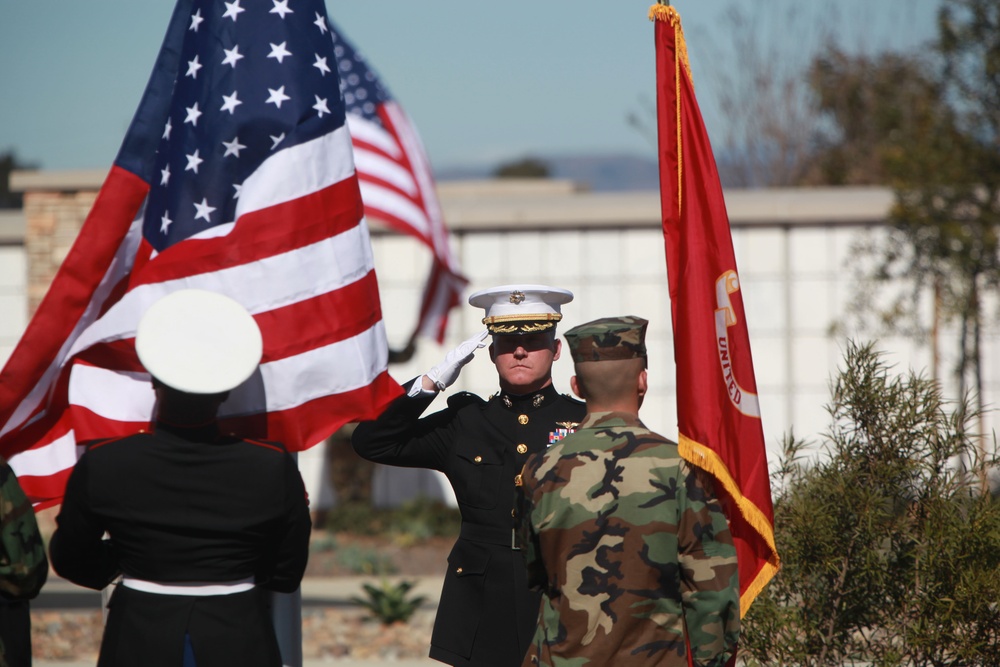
[[189, 587]]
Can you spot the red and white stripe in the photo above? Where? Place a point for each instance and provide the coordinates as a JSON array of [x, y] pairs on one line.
[[297, 257], [397, 187]]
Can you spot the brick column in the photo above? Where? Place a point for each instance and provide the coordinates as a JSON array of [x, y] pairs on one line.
[[52, 223]]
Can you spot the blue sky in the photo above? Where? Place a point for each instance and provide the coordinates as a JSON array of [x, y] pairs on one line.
[[484, 82]]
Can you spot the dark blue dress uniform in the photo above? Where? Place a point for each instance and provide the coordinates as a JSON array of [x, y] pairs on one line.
[[185, 506], [487, 614]]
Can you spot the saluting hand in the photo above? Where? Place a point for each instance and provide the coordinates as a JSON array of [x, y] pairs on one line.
[[445, 373]]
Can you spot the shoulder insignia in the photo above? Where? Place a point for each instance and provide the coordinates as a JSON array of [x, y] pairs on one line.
[[464, 398], [276, 446], [100, 442]]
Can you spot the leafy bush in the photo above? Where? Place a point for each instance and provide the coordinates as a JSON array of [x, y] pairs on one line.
[[390, 603], [414, 520], [890, 547], [364, 561], [322, 543]]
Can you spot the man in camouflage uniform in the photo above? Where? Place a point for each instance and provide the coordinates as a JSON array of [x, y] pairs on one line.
[[23, 569], [626, 540]]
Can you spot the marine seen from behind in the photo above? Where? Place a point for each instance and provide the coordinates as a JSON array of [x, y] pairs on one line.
[[625, 539], [200, 523]]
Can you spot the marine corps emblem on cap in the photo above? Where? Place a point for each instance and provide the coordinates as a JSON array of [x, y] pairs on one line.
[[198, 342], [521, 309], [608, 339]]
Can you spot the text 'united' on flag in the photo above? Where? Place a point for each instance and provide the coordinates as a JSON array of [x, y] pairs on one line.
[[236, 176]]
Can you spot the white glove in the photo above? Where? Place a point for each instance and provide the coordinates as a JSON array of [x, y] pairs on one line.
[[445, 373]]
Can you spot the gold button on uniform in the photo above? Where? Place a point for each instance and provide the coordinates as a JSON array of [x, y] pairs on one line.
[[522, 419], [458, 571], [522, 448], [517, 480], [478, 459]]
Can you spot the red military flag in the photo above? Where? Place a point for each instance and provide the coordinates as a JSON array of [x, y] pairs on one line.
[[236, 176], [397, 183], [718, 412]]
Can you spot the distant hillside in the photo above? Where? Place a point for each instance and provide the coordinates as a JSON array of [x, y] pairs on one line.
[[600, 173], [608, 173]]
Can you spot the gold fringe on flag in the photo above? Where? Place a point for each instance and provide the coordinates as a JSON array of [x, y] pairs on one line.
[[708, 460]]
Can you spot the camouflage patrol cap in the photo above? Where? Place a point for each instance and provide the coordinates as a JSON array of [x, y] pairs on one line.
[[608, 339]]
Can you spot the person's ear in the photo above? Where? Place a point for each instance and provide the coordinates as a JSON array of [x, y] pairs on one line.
[[493, 353], [558, 349], [575, 386], [642, 386]]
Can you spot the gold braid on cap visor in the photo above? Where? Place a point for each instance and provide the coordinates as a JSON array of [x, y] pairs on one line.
[[508, 324]]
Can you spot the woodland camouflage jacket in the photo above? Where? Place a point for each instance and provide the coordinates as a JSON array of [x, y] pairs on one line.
[[629, 545], [23, 566]]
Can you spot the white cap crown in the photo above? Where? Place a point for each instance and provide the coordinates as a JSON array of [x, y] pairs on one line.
[[198, 342], [519, 309]]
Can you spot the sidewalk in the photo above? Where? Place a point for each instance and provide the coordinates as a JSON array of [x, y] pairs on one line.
[[308, 663], [59, 593], [316, 592]]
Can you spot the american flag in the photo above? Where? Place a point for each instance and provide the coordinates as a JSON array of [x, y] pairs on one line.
[[236, 176], [397, 184]]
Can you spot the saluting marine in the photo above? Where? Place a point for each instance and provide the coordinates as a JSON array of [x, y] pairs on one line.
[[486, 614], [625, 538]]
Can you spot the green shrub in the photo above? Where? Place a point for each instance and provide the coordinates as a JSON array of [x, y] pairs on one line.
[[418, 519], [323, 544], [364, 561], [890, 548], [390, 603]]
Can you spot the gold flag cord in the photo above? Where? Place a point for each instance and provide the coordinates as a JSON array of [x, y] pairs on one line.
[[668, 14]]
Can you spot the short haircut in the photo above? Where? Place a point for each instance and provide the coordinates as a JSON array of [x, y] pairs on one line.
[[605, 381]]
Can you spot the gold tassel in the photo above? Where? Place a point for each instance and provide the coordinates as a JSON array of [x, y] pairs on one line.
[[668, 14], [708, 460]]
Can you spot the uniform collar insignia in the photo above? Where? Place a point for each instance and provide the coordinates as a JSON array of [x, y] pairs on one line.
[[536, 400]]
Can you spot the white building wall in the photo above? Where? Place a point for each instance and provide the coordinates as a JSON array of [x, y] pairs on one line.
[[13, 282], [797, 285], [795, 251]]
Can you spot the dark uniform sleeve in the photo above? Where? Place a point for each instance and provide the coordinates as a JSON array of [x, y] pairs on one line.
[[709, 575], [78, 549], [292, 543], [23, 566], [400, 437]]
